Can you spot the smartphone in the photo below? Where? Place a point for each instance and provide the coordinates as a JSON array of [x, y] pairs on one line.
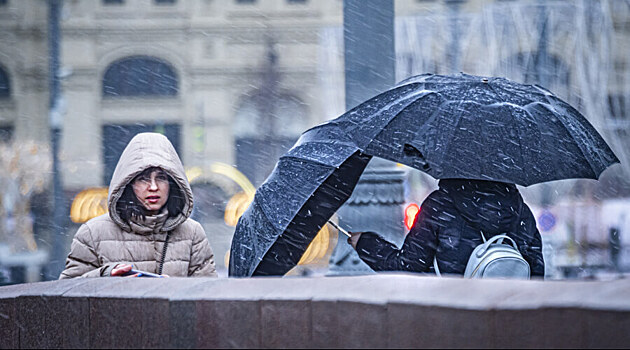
[[142, 273]]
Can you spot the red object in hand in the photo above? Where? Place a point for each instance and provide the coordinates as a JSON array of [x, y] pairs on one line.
[[120, 270], [411, 212]]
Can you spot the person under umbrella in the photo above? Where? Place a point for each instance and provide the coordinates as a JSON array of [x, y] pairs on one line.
[[448, 126], [148, 225], [450, 225]]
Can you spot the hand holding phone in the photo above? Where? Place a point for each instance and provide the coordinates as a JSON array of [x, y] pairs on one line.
[[126, 270], [140, 273]]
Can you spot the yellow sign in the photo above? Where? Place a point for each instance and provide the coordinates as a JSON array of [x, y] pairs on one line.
[[235, 175], [89, 204], [318, 247]]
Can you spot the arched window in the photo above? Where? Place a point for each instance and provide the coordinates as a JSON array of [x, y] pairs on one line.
[[537, 68], [140, 76], [5, 85], [542, 68]]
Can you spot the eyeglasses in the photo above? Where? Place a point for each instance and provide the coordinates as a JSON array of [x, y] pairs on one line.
[[160, 178]]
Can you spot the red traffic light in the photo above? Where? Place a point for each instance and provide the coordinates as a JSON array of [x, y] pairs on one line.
[[411, 212]]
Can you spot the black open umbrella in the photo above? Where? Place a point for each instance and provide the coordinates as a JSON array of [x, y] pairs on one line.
[[307, 186], [459, 126], [471, 127]]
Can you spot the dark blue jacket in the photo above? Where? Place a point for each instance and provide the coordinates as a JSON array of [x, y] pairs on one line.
[[449, 226]]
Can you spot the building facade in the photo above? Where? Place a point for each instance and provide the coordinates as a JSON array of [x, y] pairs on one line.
[[237, 81]]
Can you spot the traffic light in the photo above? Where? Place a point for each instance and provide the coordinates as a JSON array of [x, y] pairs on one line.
[[411, 212]]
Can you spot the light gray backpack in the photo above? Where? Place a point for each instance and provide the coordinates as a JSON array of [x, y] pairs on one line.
[[493, 259]]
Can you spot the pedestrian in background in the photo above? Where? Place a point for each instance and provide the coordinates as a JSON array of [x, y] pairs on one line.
[[148, 225], [450, 225]]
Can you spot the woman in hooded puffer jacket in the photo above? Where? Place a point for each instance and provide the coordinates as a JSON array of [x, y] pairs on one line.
[[148, 225]]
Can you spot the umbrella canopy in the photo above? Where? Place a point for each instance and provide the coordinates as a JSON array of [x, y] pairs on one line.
[[459, 126], [472, 127], [305, 189]]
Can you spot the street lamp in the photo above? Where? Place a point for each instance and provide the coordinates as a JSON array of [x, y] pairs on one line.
[[56, 107], [370, 64]]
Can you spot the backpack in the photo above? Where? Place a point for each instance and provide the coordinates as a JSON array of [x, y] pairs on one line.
[[494, 259]]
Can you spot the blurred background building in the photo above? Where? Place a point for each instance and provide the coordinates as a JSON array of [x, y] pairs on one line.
[[233, 83]]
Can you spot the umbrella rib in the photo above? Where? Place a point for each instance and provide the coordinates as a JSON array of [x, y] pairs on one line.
[[447, 140], [520, 144], [579, 145], [520, 130], [592, 132], [311, 160], [263, 211], [424, 93]]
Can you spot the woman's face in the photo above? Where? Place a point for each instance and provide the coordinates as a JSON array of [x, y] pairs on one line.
[[152, 190]]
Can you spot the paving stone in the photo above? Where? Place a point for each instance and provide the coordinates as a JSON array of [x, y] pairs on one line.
[[362, 325], [559, 327], [183, 295], [183, 322], [325, 328], [343, 312], [228, 324], [427, 326], [116, 287], [285, 324], [90, 286], [75, 315], [47, 320], [9, 331], [606, 329], [129, 323], [179, 288], [36, 318], [517, 328], [115, 323], [15, 290]]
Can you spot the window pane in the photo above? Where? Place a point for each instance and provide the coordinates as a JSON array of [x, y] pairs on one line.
[[6, 134], [5, 86], [123, 133], [140, 76]]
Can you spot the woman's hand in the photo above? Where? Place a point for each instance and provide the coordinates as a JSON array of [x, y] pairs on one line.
[[121, 269], [354, 239]]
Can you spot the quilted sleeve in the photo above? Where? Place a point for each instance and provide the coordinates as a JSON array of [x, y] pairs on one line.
[[83, 259], [202, 259]]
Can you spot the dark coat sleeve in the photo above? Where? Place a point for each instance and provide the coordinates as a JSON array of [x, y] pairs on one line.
[[417, 252], [530, 243]]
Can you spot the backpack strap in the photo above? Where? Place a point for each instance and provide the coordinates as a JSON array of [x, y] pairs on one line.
[[499, 239], [487, 243], [435, 266]]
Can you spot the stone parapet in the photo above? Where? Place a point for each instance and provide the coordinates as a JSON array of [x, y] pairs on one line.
[[384, 311]]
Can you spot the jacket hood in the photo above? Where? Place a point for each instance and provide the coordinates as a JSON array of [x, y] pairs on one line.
[[491, 207], [144, 151]]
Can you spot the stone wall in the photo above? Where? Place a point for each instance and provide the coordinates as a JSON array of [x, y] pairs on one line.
[[388, 311]]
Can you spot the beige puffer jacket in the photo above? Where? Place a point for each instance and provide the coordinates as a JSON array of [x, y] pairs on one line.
[[107, 240]]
